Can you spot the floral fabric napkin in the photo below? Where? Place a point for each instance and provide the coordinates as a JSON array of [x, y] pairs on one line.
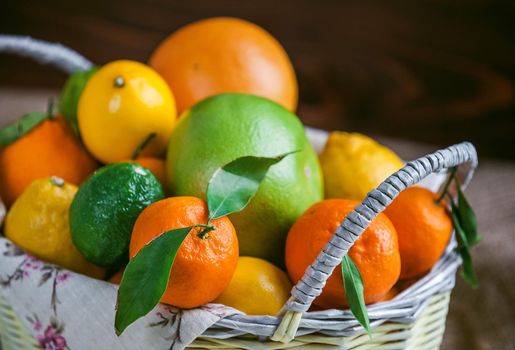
[[65, 310]]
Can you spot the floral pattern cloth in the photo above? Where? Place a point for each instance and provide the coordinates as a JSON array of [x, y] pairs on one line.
[[65, 310]]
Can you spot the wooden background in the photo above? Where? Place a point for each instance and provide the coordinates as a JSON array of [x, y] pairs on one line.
[[437, 71], [432, 71]]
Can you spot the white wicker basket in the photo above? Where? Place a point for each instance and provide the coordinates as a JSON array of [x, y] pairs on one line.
[[414, 319]]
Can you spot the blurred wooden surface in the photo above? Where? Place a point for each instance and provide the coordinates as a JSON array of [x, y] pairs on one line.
[[433, 71]]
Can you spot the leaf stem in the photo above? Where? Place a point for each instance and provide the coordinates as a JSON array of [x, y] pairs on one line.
[[204, 233], [144, 144], [50, 109], [210, 227], [119, 82], [446, 186]]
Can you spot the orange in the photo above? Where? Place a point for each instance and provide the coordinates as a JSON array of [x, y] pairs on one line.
[[392, 293], [50, 149], [117, 277], [224, 54], [405, 284], [424, 229], [203, 267], [375, 253], [399, 287], [156, 166]]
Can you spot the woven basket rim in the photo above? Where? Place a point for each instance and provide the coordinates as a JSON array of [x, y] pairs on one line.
[[403, 308]]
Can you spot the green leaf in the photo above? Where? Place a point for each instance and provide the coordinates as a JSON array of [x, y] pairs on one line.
[[467, 219], [146, 277], [460, 233], [70, 95], [232, 186], [14, 131], [353, 284], [467, 273]]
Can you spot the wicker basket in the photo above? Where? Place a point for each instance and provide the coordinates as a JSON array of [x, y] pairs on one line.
[[414, 319]]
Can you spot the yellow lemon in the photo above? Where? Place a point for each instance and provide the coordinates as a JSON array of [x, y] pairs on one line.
[[38, 222], [354, 164], [257, 287], [122, 105]]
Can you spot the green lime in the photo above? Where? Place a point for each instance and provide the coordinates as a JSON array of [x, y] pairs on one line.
[[105, 209], [222, 128]]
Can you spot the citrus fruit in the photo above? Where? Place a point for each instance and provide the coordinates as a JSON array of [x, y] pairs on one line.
[[203, 266], [225, 127], [223, 54], [49, 149], [38, 222], [122, 104], [375, 253], [424, 229], [256, 288], [392, 293], [105, 209], [354, 164], [156, 166], [117, 277]]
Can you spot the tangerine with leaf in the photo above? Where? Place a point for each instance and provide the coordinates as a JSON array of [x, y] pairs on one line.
[[424, 228], [40, 145], [184, 251], [375, 253], [205, 261]]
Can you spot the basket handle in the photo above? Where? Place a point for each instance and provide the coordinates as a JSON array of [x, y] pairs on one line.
[[44, 52], [311, 284]]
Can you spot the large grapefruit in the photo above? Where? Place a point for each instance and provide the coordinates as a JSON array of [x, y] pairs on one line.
[[222, 128]]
